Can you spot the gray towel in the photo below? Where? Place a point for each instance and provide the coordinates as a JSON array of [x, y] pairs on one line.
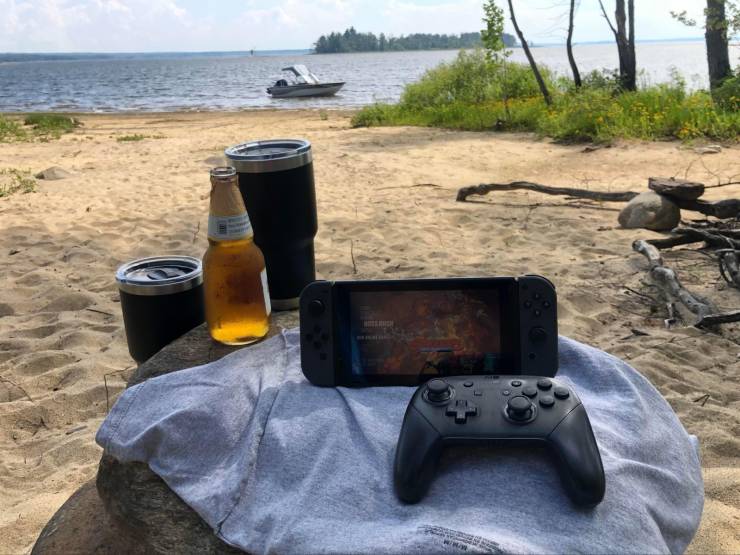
[[274, 464]]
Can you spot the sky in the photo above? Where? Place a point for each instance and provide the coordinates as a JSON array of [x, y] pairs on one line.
[[221, 25]]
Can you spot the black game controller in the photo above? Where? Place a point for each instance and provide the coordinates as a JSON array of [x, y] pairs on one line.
[[515, 410]]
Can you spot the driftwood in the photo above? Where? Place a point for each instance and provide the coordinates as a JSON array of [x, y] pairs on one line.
[[676, 188], [485, 188], [722, 209], [669, 285]]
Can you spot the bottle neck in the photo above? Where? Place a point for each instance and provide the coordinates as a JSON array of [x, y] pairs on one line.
[[228, 220]]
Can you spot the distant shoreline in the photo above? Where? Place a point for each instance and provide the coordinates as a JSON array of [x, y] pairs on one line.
[[62, 56]]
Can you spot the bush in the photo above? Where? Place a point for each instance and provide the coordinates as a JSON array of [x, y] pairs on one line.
[[471, 93], [727, 94]]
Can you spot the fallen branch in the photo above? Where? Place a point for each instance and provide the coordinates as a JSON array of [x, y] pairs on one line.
[[711, 239], [485, 188], [722, 209], [722, 318], [668, 284]]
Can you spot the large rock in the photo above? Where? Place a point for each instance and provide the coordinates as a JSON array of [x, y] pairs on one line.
[[650, 210], [138, 500], [676, 188], [52, 173]]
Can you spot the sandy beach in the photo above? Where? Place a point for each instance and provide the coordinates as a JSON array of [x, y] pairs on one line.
[[387, 196]]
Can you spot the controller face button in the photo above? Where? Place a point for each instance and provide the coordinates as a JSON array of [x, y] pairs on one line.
[[461, 410], [561, 392], [537, 312], [537, 296], [325, 336], [527, 304], [438, 391], [532, 356], [519, 408], [530, 391], [515, 383], [317, 344], [546, 304], [468, 384], [537, 334], [547, 401], [316, 308], [544, 384]]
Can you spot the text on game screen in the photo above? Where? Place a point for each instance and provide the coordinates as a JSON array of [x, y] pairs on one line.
[[425, 332]]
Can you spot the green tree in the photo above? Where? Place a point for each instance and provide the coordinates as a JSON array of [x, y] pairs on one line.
[[492, 36], [722, 21]]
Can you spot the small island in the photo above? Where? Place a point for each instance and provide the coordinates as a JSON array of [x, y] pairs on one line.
[[352, 41]]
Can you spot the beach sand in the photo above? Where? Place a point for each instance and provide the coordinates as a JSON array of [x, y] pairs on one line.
[[386, 204]]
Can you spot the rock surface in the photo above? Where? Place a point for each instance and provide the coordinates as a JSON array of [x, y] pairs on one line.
[[53, 173], [650, 210], [677, 188], [139, 500], [708, 149], [82, 525]]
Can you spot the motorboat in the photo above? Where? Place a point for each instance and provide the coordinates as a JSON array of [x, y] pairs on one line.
[[302, 83]]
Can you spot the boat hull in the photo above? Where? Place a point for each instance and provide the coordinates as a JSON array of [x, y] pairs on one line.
[[297, 91]]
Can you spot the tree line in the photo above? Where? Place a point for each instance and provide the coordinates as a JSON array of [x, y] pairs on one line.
[[352, 41]]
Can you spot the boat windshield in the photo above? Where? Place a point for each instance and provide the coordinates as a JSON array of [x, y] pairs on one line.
[[302, 74]]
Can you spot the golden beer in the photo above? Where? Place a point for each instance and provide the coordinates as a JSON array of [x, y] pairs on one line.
[[237, 300]]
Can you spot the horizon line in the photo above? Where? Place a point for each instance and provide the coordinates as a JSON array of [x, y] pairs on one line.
[[109, 52]]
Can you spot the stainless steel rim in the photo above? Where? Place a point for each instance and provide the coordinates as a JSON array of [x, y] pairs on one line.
[[185, 282], [244, 162]]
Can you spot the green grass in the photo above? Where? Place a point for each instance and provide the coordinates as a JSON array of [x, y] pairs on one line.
[[471, 94], [41, 127], [11, 131], [137, 137], [16, 181]]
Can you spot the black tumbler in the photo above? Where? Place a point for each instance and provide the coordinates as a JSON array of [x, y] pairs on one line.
[[161, 299], [276, 182]]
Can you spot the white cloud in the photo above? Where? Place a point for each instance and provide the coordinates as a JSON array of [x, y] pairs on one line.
[[156, 25]]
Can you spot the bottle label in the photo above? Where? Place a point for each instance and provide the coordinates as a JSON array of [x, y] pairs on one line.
[[229, 228], [266, 292]]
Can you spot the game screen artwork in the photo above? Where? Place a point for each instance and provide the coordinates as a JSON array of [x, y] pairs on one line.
[[427, 333]]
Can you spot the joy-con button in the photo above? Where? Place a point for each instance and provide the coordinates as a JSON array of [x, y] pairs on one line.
[[316, 307]]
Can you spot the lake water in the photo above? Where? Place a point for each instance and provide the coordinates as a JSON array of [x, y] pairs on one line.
[[233, 81]]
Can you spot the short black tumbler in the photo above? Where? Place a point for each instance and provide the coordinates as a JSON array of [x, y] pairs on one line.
[[161, 299], [276, 182]]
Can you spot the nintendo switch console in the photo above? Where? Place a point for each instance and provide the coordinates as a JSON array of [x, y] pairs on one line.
[[405, 332]]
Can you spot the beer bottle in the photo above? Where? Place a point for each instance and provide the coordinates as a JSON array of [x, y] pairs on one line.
[[237, 300]]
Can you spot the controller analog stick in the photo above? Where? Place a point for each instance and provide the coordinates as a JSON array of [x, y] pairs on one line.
[[438, 390], [316, 307], [519, 408]]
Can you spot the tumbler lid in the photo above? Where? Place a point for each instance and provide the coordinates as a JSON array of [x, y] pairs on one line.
[[160, 275], [269, 156]]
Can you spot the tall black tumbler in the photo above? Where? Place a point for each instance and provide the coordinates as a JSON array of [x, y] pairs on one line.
[[276, 182]]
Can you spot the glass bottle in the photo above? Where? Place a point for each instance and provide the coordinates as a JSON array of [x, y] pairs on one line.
[[237, 300]]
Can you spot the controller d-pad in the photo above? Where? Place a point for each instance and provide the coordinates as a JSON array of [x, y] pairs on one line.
[[461, 410]]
